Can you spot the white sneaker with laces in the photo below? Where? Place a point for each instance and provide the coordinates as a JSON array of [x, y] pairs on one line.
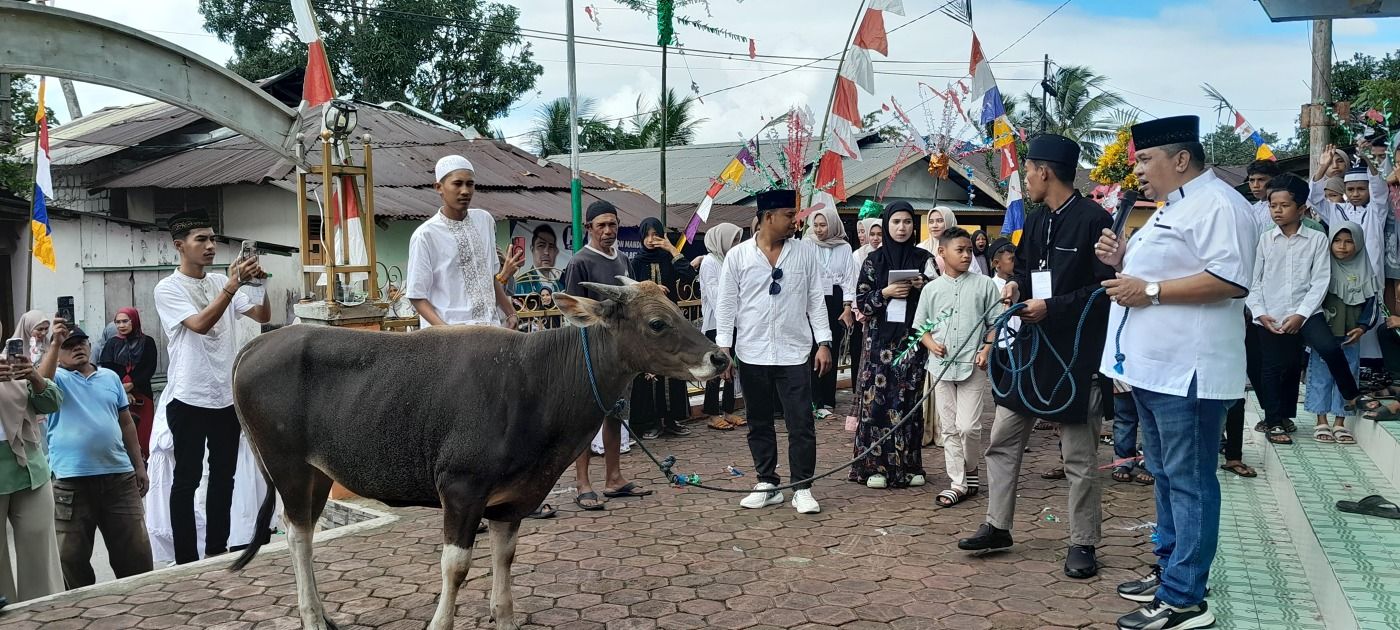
[[763, 495], [805, 504]]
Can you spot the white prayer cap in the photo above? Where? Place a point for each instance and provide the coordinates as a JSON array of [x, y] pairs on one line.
[[451, 163], [1357, 176]]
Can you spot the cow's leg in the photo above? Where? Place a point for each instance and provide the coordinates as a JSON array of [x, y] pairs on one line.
[[461, 513], [503, 536], [304, 490]]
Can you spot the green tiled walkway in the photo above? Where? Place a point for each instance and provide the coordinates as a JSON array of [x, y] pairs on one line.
[[1259, 579]]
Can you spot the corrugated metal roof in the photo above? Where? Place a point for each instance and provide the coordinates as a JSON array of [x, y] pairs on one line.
[[691, 168], [112, 129]]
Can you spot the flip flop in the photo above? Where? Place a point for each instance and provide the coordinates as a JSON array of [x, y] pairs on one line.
[[1240, 469], [544, 511], [1381, 414], [596, 504], [1058, 473], [1374, 505], [627, 490]]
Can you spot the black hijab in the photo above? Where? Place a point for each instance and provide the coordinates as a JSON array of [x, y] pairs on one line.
[[896, 255], [655, 263]]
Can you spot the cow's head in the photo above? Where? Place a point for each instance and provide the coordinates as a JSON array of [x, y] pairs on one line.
[[652, 334]]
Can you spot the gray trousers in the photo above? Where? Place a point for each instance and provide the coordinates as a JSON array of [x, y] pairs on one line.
[[1011, 433]]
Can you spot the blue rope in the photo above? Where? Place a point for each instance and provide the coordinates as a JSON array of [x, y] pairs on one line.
[[1035, 336], [593, 380]]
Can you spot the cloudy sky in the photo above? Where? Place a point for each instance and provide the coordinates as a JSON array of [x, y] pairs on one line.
[[1155, 54]]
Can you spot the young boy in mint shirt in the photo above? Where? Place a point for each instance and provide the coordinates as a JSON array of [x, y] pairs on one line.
[[99, 474]]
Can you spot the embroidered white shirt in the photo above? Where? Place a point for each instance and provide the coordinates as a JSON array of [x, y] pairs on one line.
[[460, 287]]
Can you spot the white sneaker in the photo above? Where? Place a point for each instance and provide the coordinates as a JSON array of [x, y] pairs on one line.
[[805, 504], [763, 495], [823, 414], [876, 482], [916, 481]]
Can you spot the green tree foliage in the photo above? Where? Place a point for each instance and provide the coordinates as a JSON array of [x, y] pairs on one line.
[[681, 124], [16, 154], [1083, 110], [462, 59], [1224, 146]]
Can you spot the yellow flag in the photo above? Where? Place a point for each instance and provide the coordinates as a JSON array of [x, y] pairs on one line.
[[733, 173]]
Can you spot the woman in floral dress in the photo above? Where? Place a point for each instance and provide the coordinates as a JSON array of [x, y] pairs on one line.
[[888, 389]]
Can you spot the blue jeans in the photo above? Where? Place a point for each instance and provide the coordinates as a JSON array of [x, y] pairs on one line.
[[1180, 439], [1125, 428]]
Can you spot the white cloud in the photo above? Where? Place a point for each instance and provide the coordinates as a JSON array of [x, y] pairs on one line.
[[1358, 27], [1156, 61]]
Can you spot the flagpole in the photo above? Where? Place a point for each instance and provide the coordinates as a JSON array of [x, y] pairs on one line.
[[29, 274], [575, 184], [860, 12]]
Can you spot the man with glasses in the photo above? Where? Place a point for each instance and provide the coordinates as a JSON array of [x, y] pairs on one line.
[[771, 307]]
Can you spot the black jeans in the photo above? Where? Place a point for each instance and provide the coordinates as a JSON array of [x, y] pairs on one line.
[[824, 386], [719, 393], [658, 403], [766, 387], [192, 429], [1234, 418], [1277, 387], [1318, 335], [1389, 339]]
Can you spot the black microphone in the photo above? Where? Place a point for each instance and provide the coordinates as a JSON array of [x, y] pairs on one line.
[[1125, 208]]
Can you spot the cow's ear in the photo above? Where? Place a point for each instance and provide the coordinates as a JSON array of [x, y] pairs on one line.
[[580, 311]]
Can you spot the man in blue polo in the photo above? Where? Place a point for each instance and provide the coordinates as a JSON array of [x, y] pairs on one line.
[[99, 474]]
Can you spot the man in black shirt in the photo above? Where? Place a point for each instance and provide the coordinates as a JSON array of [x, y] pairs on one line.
[[1056, 273]]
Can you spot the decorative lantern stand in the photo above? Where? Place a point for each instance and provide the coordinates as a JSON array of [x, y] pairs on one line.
[[338, 306]]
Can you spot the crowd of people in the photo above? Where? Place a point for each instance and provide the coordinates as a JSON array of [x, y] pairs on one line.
[[1298, 283]]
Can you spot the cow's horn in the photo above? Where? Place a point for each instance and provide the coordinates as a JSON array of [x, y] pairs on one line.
[[626, 282], [611, 292]]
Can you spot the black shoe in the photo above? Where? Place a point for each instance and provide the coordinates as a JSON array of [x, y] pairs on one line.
[[1081, 562], [1143, 589], [1159, 616], [987, 537], [651, 434], [4, 602], [676, 430]]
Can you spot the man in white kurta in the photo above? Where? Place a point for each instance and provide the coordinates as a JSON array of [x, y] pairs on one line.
[[452, 262]]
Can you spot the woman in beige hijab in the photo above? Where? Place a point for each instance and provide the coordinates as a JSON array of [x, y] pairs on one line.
[[33, 328], [940, 218], [26, 494]]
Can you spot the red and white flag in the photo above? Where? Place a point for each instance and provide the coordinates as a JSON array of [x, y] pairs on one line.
[[317, 87]]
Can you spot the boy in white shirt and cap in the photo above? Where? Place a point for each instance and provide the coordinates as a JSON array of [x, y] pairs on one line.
[[452, 261]]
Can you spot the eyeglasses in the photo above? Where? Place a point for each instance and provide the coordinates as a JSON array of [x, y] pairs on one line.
[[775, 288]]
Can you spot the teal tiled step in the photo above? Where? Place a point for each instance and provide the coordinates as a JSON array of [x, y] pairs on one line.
[[1352, 561], [1258, 581]]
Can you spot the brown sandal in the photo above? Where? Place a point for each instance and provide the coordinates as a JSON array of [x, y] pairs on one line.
[[736, 421], [718, 423]]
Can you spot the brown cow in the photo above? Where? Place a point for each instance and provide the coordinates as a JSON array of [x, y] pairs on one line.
[[479, 421]]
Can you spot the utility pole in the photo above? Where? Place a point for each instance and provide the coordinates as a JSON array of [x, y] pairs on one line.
[[1045, 88], [575, 184], [70, 96], [1318, 131], [664, 135]]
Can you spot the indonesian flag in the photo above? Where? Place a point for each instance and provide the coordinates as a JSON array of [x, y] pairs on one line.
[[317, 87], [350, 237]]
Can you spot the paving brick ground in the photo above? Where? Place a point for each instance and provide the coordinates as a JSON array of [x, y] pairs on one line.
[[683, 559]]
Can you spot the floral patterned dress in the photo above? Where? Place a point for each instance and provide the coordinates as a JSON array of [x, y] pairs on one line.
[[885, 392]]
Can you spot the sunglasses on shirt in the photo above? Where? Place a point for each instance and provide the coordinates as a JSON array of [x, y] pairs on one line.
[[775, 288]]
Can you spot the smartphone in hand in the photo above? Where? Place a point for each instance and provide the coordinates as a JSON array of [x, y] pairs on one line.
[[248, 250], [65, 309], [14, 348], [517, 246]]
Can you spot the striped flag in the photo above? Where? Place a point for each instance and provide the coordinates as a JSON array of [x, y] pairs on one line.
[[317, 88], [43, 187], [1015, 220], [1246, 132]]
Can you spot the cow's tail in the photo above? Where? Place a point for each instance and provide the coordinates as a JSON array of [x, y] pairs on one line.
[[262, 529]]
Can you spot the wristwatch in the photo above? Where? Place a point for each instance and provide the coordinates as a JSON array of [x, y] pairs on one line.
[[824, 344], [1154, 293]]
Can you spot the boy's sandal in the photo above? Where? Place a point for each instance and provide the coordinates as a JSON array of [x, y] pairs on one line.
[[1382, 414], [1365, 402], [718, 423], [1123, 474], [1323, 433], [737, 421], [1240, 469], [1277, 435], [950, 497], [1290, 427], [1374, 505], [1041, 425], [1057, 473], [1261, 427], [1143, 477], [1343, 435], [589, 501]]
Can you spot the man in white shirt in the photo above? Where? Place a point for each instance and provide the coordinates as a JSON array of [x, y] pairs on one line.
[[771, 308], [1178, 302], [452, 262], [197, 310]]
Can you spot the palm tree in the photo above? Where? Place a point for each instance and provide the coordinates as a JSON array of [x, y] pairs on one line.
[[549, 135], [1081, 110], [681, 123]]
